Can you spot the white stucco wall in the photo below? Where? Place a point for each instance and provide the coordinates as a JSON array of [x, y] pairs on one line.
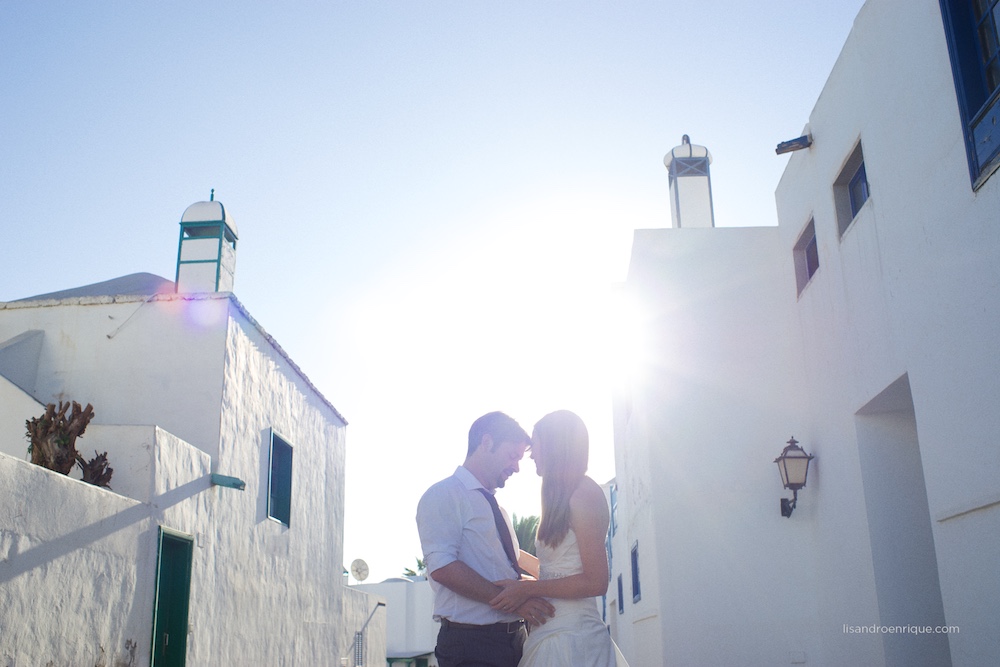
[[77, 563], [909, 291], [276, 589], [714, 405], [161, 360], [410, 628], [16, 407], [19, 358], [261, 592], [357, 607], [74, 561], [130, 451], [882, 367]]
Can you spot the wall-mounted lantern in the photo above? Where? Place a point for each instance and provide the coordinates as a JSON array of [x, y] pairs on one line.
[[793, 465], [805, 141]]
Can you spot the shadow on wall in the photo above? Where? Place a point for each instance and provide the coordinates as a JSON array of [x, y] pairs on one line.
[[40, 555]]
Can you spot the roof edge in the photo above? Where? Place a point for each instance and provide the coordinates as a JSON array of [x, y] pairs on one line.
[[197, 296]]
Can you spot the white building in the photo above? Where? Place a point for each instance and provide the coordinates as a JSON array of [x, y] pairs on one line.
[[864, 326], [411, 631], [222, 540]]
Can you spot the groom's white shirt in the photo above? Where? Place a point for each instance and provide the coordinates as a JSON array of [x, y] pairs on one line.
[[455, 522]]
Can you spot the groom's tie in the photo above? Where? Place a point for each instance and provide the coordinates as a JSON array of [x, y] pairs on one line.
[[508, 544]]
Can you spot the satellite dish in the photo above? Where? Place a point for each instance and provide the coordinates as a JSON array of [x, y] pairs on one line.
[[359, 569]]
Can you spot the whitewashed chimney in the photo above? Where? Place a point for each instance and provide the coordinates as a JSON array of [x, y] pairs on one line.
[[690, 185], [206, 253]]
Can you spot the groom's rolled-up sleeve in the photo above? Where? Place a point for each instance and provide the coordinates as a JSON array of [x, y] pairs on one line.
[[440, 525]]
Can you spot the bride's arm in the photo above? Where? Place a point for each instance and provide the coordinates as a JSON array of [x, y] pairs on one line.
[[528, 563], [589, 519]]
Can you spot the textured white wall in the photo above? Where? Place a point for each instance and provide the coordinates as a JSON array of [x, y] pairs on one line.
[[910, 289], [77, 563], [261, 593], [906, 294], [72, 570], [15, 408], [720, 394], [277, 590], [138, 363], [903, 292]]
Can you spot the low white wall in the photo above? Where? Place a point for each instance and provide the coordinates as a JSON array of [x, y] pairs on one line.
[[411, 627], [78, 563], [130, 455], [76, 571], [356, 609]]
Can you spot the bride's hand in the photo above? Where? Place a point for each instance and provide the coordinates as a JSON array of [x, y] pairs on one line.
[[514, 594]]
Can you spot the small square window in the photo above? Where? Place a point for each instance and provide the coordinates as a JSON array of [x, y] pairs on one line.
[[806, 256], [636, 591], [279, 496], [851, 189]]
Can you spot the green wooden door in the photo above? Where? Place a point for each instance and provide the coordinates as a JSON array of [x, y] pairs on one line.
[[170, 609]]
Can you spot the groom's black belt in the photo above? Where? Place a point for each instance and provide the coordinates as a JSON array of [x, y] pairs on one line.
[[509, 628]]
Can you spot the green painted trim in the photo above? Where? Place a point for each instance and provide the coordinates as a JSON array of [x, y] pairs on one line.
[[218, 251], [170, 532], [177, 536], [208, 229], [227, 481], [270, 468], [218, 229], [177, 271]]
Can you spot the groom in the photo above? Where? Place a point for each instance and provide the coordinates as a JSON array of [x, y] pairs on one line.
[[460, 533]]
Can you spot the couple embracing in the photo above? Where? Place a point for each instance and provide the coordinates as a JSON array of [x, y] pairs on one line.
[[499, 606]]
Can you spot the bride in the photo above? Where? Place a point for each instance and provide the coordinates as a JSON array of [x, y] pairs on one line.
[[572, 564]]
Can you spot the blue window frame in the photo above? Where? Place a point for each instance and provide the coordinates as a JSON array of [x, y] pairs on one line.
[[812, 256], [607, 547], [689, 166], [851, 189], [614, 509], [805, 254], [858, 189], [636, 590], [972, 28], [279, 486]]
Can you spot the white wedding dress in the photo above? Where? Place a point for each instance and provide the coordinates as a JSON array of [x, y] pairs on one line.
[[576, 636]]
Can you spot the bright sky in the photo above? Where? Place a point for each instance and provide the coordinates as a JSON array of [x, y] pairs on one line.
[[433, 198]]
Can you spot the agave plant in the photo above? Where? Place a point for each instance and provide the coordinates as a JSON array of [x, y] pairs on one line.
[[525, 528], [419, 572]]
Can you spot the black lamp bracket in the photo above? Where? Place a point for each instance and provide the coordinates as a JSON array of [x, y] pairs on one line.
[[787, 505]]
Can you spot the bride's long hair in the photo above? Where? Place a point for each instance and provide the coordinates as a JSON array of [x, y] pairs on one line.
[[564, 443]]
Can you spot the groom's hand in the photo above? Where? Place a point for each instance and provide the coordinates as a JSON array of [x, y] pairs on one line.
[[535, 611]]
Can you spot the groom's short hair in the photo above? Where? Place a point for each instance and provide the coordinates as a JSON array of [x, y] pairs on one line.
[[500, 427]]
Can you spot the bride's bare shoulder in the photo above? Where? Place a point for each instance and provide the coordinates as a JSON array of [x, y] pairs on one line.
[[589, 498]]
